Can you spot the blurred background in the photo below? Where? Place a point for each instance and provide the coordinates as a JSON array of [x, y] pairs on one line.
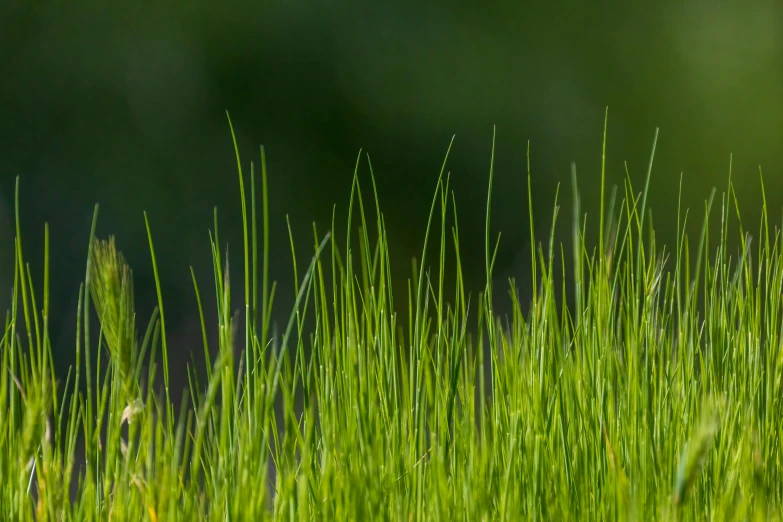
[[124, 104]]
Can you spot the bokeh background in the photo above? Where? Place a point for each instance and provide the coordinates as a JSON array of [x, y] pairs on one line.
[[124, 104]]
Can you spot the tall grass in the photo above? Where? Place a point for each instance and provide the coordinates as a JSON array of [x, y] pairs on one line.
[[654, 395]]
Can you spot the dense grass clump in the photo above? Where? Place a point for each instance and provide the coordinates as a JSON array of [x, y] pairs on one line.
[[653, 392]]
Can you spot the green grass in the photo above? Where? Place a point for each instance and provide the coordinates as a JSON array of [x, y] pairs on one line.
[[634, 402]]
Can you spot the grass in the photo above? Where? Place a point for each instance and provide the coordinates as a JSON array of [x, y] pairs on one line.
[[621, 398]]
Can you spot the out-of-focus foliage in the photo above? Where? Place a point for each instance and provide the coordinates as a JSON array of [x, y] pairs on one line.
[[124, 104]]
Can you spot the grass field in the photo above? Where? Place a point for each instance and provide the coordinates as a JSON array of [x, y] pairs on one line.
[[653, 392]]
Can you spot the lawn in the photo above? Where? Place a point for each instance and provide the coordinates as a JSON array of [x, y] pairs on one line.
[[649, 389]]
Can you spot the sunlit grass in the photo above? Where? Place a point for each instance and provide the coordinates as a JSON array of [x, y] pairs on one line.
[[655, 395]]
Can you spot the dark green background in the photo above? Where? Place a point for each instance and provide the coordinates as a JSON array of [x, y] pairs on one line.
[[124, 104]]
